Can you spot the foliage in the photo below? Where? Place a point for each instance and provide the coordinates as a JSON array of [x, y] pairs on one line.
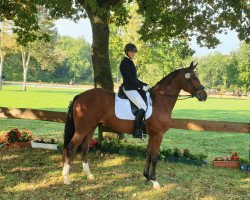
[[114, 145], [165, 19], [181, 19], [244, 161], [155, 59], [24, 14], [76, 57], [7, 44], [15, 135], [226, 71], [177, 152], [243, 67]]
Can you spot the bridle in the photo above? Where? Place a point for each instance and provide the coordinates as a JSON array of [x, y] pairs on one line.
[[193, 93], [194, 89]]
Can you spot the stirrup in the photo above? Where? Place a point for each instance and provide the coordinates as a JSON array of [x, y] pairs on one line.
[[139, 134]]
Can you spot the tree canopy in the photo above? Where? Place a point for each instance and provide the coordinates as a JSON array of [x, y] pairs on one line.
[[163, 25], [161, 19]]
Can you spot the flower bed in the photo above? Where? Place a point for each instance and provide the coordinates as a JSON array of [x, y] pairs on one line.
[[175, 155], [17, 139], [231, 161]]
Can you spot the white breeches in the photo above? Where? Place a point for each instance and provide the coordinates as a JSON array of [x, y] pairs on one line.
[[136, 98]]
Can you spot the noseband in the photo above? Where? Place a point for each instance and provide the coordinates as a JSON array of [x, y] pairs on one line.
[[194, 89]]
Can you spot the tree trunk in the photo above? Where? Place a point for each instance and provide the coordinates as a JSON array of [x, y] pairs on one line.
[[100, 51], [1, 71], [100, 56], [25, 70], [26, 60]]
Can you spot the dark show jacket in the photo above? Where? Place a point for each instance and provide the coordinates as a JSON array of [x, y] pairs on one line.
[[128, 71]]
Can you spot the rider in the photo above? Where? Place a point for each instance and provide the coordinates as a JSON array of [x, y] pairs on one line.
[[131, 85]]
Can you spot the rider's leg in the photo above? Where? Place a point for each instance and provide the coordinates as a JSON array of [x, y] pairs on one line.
[[136, 98]]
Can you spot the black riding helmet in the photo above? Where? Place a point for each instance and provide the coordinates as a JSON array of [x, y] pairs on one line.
[[130, 47]]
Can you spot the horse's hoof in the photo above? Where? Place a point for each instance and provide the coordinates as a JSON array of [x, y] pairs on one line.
[[156, 185], [91, 177], [66, 180]]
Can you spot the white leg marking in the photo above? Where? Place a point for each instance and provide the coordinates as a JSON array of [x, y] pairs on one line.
[[156, 185], [65, 173], [90, 176]]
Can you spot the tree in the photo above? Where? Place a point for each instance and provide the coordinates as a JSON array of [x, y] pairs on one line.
[[7, 43], [45, 56], [155, 59], [77, 55], [243, 57], [162, 19]]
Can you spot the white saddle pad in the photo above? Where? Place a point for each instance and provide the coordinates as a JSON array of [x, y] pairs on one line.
[[123, 108]]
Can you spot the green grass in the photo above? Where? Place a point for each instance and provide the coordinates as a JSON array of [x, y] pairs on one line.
[[216, 109], [210, 143], [37, 98], [36, 174]]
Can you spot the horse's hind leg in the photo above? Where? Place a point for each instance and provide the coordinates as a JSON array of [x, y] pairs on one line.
[[69, 152], [85, 148]]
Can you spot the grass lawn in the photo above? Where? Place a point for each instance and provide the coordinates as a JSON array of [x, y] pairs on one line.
[[36, 174]]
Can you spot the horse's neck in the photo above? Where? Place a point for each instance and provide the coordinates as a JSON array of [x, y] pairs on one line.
[[167, 94]]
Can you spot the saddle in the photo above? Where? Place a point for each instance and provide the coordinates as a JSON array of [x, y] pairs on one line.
[[134, 108]]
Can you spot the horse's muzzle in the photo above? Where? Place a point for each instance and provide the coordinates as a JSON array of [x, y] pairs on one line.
[[201, 95]]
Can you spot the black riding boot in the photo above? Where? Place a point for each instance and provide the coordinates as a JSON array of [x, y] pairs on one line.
[[138, 125]]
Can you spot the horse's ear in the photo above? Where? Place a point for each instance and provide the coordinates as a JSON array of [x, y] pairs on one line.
[[192, 66]]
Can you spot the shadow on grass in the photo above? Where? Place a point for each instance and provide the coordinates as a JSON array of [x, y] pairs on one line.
[[36, 174]]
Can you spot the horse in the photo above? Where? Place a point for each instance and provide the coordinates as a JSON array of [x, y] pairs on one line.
[[97, 107]]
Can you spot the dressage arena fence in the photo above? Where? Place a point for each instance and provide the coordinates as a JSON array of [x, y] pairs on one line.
[[186, 124]]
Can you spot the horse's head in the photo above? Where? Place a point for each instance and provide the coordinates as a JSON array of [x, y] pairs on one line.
[[191, 83]]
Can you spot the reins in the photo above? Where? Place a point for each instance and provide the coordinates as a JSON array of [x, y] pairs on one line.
[[169, 95], [172, 95]]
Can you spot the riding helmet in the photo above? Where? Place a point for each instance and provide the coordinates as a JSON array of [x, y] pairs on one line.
[[130, 47]]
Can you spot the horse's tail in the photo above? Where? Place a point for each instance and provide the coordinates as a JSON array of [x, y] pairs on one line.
[[69, 129]]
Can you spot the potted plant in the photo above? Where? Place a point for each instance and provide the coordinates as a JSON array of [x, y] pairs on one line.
[[15, 138], [44, 144], [244, 164], [231, 161]]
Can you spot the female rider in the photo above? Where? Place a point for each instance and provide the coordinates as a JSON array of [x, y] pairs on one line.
[[131, 85]]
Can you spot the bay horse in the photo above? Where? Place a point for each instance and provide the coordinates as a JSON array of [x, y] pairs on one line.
[[97, 106]]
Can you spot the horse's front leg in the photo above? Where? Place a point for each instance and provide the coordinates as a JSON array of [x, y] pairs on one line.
[[154, 143], [147, 166]]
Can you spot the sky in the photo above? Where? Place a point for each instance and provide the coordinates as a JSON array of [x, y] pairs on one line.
[[82, 28]]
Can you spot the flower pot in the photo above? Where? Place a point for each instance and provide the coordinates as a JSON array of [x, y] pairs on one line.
[[243, 166], [18, 144], [248, 168], [43, 145], [229, 164]]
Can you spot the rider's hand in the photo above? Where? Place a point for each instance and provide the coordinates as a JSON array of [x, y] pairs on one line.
[[146, 88]]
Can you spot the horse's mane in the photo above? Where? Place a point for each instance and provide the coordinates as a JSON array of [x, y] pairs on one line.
[[169, 77]]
